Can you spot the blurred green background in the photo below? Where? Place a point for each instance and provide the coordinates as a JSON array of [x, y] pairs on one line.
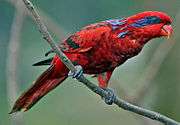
[[150, 79]]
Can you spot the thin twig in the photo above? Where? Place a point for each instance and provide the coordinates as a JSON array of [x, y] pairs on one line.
[[12, 60], [121, 103]]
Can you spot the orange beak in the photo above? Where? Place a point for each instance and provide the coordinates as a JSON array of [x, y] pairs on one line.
[[167, 30]]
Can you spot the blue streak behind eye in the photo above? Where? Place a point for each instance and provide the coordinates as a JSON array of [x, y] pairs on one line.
[[146, 21]]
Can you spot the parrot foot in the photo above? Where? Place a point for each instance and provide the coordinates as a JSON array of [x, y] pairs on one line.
[[110, 97], [78, 73]]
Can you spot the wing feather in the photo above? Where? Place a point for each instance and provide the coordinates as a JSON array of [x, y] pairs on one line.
[[85, 39]]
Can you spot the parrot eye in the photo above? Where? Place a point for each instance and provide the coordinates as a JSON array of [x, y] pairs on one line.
[[150, 20], [168, 23]]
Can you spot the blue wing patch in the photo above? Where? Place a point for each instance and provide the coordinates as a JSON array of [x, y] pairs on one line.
[[115, 23], [123, 34]]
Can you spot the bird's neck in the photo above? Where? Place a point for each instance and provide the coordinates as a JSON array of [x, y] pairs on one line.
[[143, 40], [143, 37]]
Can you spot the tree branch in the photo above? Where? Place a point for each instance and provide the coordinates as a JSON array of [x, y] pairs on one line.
[[121, 103]]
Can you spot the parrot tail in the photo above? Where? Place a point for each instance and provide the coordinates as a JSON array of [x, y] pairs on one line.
[[44, 84]]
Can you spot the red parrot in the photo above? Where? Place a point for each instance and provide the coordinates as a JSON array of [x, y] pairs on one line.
[[99, 48]]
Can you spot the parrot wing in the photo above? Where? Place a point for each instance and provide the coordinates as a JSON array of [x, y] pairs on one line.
[[90, 36], [80, 42], [85, 39]]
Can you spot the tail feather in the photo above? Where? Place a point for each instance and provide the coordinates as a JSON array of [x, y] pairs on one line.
[[44, 84]]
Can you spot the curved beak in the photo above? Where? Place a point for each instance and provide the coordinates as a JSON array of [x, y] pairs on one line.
[[167, 30]]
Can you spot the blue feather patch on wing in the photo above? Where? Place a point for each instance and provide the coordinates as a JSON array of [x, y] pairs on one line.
[[115, 23], [123, 34], [146, 21]]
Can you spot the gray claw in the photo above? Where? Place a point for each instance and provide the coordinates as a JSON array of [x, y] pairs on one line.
[[109, 99], [78, 73]]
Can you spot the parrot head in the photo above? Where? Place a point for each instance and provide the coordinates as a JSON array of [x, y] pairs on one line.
[[150, 24]]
